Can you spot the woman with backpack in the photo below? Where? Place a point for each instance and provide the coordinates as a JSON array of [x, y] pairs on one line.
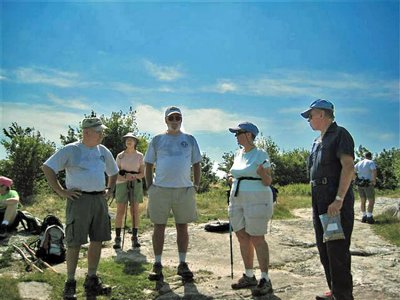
[[9, 200], [129, 188]]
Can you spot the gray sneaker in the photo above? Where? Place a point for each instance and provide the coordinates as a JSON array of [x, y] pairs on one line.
[[264, 287], [244, 282], [156, 274]]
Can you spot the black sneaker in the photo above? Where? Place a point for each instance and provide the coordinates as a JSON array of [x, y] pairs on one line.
[[117, 243], [95, 287], [3, 231], [364, 219], [135, 242], [370, 220], [244, 282], [69, 290], [184, 271], [264, 287], [156, 274]]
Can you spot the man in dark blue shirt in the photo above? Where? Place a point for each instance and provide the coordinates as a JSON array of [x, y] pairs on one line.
[[331, 171]]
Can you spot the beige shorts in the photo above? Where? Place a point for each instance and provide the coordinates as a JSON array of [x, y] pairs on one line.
[[122, 193], [87, 216], [251, 211], [367, 192], [181, 201]]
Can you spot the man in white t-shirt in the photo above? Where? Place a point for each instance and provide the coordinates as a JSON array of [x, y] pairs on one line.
[[85, 163], [366, 181], [174, 155]]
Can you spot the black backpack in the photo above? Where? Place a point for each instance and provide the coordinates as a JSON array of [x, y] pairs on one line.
[[50, 244], [30, 223]]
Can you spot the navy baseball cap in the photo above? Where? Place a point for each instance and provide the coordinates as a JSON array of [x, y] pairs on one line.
[[320, 104], [245, 126]]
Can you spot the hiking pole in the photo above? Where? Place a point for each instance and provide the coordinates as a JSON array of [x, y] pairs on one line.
[[26, 259], [41, 261], [230, 234]]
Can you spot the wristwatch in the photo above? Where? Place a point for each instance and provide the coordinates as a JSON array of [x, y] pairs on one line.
[[338, 198]]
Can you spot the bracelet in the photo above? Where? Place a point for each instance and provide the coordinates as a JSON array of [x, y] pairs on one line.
[[338, 198]]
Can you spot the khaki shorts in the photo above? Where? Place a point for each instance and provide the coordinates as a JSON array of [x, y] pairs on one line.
[[182, 202], [367, 192], [87, 216], [251, 211], [122, 192]]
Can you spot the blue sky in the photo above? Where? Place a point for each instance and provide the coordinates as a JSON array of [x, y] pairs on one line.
[[222, 63]]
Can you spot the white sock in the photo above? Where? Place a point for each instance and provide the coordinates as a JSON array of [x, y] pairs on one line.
[[5, 222], [182, 257], [157, 258], [265, 275], [369, 214], [249, 272], [364, 213]]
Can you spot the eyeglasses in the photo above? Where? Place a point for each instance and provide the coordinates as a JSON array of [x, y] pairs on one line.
[[176, 118], [239, 133]]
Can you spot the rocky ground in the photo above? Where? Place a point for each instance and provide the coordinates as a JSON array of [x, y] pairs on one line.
[[295, 271]]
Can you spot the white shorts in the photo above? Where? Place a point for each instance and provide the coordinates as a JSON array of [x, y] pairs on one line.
[[251, 211]]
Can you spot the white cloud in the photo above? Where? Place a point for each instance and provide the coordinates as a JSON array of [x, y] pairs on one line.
[[226, 87], [47, 76], [70, 103], [163, 73]]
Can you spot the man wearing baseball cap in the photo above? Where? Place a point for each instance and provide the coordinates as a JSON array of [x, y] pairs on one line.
[[176, 155], [331, 169], [85, 163]]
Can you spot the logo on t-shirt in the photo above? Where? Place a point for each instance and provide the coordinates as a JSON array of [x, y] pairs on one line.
[[184, 144]]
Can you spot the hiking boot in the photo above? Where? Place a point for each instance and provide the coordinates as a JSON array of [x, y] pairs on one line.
[[69, 290], [264, 287], [95, 287], [117, 243], [184, 271], [244, 282], [156, 274], [325, 296], [370, 220], [3, 231], [135, 242], [364, 219]]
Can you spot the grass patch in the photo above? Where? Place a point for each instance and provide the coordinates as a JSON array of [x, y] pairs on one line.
[[8, 288], [388, 228]]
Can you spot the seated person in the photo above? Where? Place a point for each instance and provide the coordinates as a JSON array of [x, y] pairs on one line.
[[9, 201]]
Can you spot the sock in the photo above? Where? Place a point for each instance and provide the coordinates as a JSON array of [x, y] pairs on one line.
[[158, 258], [134, 232], [182, 257], [265, 275], [5, 222], [249, 272], [364, 213], [70, 276], [91, 272], [369, 215], [118, 232]]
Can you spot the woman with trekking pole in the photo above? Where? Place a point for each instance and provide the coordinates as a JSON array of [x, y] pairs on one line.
[[129, 189], [251, 207]]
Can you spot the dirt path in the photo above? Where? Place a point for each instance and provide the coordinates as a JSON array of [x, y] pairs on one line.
[[295, 271]]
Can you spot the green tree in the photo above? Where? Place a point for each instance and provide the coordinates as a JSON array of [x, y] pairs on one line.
[[388, 169], [208, 176], [227, 162], [26, 152]]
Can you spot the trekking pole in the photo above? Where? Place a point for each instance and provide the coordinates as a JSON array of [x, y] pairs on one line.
[[41, 261], [26, 259], [230, 234], [130, 197]]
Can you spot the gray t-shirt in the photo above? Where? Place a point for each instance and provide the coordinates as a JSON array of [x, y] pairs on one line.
[[364, 168], [173, 156], [84, 166]]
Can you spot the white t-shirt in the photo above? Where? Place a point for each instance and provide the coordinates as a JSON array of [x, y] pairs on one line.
[[84, 166], [245, 165], [364, 168], [173, 156]]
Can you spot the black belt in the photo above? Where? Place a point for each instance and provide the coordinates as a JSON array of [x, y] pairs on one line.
[[243, 178], [320, 181], [93, 193]]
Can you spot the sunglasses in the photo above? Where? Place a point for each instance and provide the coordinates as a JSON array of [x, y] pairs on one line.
[[174, 118], [239, 133]]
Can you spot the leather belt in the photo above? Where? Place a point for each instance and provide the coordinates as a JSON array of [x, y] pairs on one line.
[[93, 192], [319, 181], [243, 178]]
